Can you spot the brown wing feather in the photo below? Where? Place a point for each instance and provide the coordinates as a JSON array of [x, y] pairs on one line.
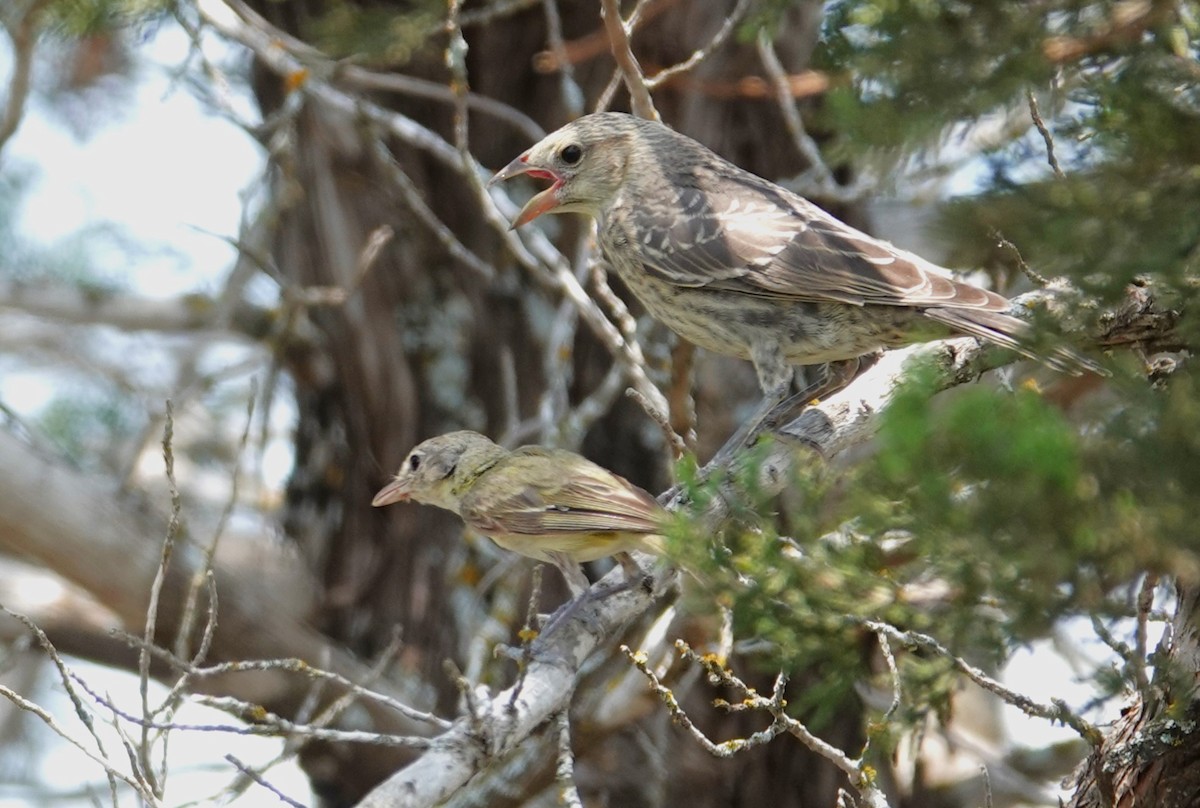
[[562, 494], [741, 233]]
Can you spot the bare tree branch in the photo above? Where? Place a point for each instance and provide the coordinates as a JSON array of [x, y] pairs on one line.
[[23, 33], [635, 82]]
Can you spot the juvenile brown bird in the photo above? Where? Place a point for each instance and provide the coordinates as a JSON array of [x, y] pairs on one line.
[[743, 267], [548, 504]]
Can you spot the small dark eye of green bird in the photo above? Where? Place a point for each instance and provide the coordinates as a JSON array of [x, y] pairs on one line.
[[414, 462]]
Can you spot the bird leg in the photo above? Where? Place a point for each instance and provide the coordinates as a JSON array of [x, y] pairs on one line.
[[572, 572], [634, 576], [779, 409], [834, 377]]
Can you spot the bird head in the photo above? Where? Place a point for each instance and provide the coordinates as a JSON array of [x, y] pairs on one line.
[[440, 470], [585, 161]]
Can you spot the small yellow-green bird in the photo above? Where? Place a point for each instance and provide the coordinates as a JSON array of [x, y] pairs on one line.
[[548, 504]]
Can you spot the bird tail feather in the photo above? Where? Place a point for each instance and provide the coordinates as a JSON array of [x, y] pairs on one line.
[[1011, 332]]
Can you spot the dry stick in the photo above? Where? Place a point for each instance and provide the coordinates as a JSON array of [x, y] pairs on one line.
[[23, 34], [564, 771], [156, 586], [258, 778], [775, 706], [700, 54], [594, 407], [364, 79], [531, 248], [557, 365], [142, 788], [175, 696], [218, 89], [596, 43], [572, 94], [204, 570], [608, 93], [1036, 115], [66, 675], [269, 725], [1145, 602], [826, 184], [662, 420], [411, 197], [528, 633], [1030, 272], [292, 746], [291, 665], [509, 398], [1057, 710], [682, 404], [618, 35], [275, 726]]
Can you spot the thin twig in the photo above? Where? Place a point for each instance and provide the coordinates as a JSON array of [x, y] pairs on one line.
[[706, 50], [564, 770], [592, 408], [635, 82], [362, 79], [818, 175], [572, 94], [204, 569], [411, 197], [291, 665], [662, 419], [752, 700], [1031, 273], [268, 724], [258, 778], [142, 788], [66, 676], [1057, 710], [528, 633], [23, 33], [681, 403], [1036, 115], [1145, 602], [160, 576]]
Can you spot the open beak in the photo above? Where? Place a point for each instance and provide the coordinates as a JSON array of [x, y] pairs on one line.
[[543, 201], [395, 491]]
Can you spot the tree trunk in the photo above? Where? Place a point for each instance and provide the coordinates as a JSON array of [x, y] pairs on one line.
[[420, 347], [1151, 755]]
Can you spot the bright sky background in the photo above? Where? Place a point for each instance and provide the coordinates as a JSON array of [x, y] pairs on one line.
[[167, 174], [163, 169]]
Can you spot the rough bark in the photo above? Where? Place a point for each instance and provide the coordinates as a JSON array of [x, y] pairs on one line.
[[378, 381], [1151, 755]]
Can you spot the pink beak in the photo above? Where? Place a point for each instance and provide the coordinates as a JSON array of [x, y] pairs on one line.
[[395, 491], [542, 202]]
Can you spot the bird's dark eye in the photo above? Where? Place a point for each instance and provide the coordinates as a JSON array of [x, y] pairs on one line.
[[414, 462], [571, 154]]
